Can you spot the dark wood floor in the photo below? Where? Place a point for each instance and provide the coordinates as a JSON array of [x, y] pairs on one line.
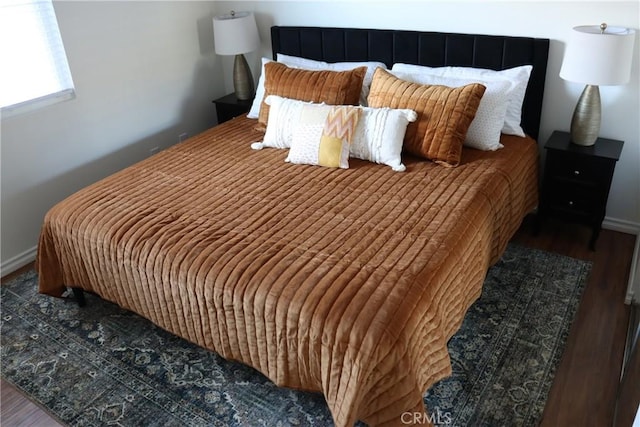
[[586, 383], [585, 387], [18, 411]]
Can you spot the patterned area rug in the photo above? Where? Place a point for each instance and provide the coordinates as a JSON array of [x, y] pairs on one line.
[[102, 365]]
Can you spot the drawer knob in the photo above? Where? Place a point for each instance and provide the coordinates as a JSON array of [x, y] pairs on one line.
[[576, 172]]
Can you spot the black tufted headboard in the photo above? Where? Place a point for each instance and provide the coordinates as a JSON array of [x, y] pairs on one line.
[[424, 48]]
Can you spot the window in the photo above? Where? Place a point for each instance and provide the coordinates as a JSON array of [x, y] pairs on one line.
[[34, 69]]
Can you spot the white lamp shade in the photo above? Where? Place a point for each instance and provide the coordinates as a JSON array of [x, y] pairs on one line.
[[596, 58], [235, 34]]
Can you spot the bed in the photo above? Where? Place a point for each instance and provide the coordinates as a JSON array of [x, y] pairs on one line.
[[348, 282]]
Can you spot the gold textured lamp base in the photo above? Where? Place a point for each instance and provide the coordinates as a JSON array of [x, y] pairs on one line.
[[585, 123], [242, 79]]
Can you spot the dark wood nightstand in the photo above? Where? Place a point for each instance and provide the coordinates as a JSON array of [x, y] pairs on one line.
[[229, 107], [576, 181]]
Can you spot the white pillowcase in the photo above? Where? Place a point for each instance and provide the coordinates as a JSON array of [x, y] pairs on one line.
[[378, 136], [254, 111], [310, 64], [518, 76], [486, 127]]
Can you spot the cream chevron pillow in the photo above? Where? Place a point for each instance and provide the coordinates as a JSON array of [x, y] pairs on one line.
[[323, 134]]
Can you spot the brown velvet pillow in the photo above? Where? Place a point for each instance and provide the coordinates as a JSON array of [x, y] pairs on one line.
[[444, 114], [330, 87]]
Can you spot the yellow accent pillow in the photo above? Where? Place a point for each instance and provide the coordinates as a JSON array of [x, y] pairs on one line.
[[331, 152], [444, 114], [329, 87]]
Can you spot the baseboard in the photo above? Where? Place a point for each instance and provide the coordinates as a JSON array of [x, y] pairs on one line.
[[621, 225], [18, 261]]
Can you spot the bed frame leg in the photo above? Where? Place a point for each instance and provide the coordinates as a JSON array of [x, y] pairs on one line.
[[79, 294]]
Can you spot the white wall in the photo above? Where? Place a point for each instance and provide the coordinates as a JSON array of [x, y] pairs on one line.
[[548, 19], [144, 73]]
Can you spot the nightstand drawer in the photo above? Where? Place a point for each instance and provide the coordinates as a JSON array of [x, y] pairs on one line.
[[574, 200], [565, 166]]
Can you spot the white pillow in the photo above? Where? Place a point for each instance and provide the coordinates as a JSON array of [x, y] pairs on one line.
[[486, 127], [378, 136], [254, 111], [310, 64], [284, 114], [518, 76]]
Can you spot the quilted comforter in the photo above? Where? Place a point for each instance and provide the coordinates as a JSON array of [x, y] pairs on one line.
[[348, 282]]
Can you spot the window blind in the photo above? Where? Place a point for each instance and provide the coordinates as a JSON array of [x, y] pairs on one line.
[[34, 69]]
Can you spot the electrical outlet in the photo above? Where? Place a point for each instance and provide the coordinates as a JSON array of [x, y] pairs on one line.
[[183, 136], [154, 150]]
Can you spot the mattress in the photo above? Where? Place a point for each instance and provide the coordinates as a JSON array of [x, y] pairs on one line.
[[348, 282]]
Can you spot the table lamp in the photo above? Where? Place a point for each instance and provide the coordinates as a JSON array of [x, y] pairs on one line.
[[236, 34], [596, 55]]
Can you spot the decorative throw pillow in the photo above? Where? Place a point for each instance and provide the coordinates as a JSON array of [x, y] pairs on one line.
[[310, 64], [378, 136], [323, 135], [330, 87], [517, 76], [444, 114], [284, 114], [486, 127]]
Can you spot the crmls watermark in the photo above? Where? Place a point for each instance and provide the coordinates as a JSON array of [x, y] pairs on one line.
[[436, 417]]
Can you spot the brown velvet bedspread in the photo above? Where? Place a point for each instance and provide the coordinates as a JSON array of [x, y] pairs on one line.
[[349, 282]]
